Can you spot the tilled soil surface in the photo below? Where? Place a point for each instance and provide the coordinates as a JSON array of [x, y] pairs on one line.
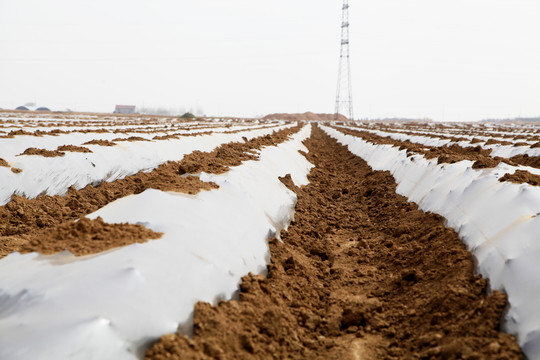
[[454, 153], [25, 223], [85, 236], [100, 142], [42, 152], [360, 274], [443, 154], [532, 161], [445, 132], [74, 148], [522, 177]]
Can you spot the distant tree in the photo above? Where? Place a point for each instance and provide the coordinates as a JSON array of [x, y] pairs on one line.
[[188, 115]]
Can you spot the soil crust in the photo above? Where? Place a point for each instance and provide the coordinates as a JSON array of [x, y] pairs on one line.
[[361, 273]]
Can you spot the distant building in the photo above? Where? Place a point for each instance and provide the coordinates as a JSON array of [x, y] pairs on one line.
[[124, 109]]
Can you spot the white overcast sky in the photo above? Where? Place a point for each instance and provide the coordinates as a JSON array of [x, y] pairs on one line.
[[444, 59]]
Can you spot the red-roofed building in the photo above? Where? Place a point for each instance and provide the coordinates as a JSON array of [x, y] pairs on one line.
[[124, 109]]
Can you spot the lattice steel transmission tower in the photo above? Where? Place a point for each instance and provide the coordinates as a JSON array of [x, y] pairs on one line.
[[344, 104]]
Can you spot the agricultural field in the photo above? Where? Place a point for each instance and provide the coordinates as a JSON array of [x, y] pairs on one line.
[[126, 237]]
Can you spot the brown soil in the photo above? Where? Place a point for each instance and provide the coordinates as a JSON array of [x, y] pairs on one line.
[[42, 152], [100, 142], [166, 137], [58, 131], [199, 133], [305, 116], [23, 219], [131, 138], [522, 177], [37, 133], [88, 131], [498, 142], [448, 154], [14, 133], [361, 273], [532, 161], [4, 163], [455, 153], [486, 162], [454, 138], [163, 137], [74, 148], [232, 154], [85, 236]]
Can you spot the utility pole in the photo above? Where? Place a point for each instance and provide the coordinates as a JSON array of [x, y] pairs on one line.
[[344, 104]]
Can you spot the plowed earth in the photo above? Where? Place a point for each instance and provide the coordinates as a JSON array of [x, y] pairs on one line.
[[443, 154], [25, 223], [42, 152], [74, 148], [473, 141], [360, 274], [522, 177], [454, 153], [451, 133], [85, 236]]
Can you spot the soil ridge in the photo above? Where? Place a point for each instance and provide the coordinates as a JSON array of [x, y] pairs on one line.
[[24, 221]]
